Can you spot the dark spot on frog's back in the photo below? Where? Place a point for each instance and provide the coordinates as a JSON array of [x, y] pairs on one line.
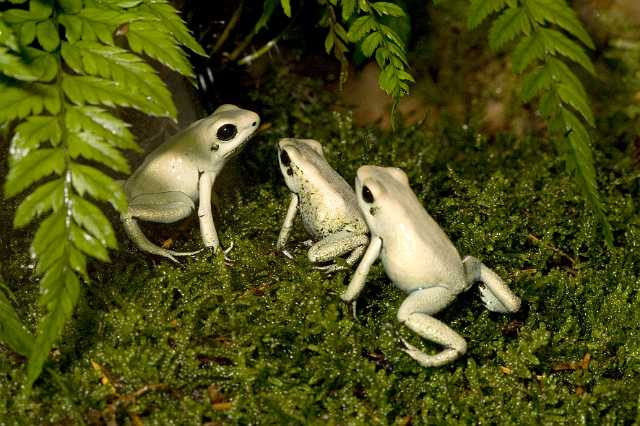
[[284, 158]]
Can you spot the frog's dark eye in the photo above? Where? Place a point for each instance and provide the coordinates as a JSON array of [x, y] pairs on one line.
[[367, 196], [227, 132], [284, 158]]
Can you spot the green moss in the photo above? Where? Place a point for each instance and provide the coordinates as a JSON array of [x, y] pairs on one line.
[[269, 341]]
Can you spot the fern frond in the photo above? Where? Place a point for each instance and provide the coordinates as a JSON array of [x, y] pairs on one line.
[[561, 92], [62, 135]]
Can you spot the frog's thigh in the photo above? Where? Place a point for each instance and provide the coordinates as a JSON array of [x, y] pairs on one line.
[[415, 312], [164, 207], [336, 245]]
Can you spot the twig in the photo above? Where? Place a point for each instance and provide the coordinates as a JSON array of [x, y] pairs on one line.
[[230, 26], [553, 248]]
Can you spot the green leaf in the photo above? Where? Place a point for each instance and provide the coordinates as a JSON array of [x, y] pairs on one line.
[[93, 90], [362, 26], [22, 100], [61, 288], [31, 133], [18, 16], [528, 50], [479, 10], [49, 196], [371, 43], [88, 244], [94, 221], [348, 7], [508, 26], [51, 233], [386, 8], [44, 64], [41, 9], [328, 41], [559, 13], [556, 42], [157, 43], [33, 167], [119, 65], [535, 83], [8, 37], [13, 65], [100, 24], [100, 122], [47, 34], [93, 147], [12, 330], [170, 19], [72, 26], [70, 6], [286, 7], [27, 33], [86, 179], [573, 97]]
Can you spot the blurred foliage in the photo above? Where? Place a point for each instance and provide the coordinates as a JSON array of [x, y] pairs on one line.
[[268, 341]]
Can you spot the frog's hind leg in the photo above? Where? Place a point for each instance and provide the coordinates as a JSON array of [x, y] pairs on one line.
[[162, 208], [416, 313], [336, 245], [495, 294]]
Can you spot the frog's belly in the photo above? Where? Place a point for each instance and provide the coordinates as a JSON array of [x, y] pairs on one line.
[[413, 270]]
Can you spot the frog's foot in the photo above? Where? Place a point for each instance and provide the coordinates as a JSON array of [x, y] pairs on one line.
[[227, 260], [495, 294], [416, 312], [336, 245], [287, 254]]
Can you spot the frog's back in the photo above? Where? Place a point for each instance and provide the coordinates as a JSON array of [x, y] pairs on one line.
[[418, 253], [331, 203], [172, 166]]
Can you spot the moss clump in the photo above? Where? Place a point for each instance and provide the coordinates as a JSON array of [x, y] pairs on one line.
[[268, 341]]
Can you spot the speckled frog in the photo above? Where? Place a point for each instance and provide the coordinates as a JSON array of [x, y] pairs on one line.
[[420, 259], [181, 172], [326, 202]]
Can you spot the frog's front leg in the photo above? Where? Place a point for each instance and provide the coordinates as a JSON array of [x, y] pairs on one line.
[[336, 245], [287, 226], [205, 215], [166, 207], [360, 275], [495, 294], [416, 313]]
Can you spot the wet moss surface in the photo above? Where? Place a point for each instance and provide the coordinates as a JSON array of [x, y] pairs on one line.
[[267, 340]]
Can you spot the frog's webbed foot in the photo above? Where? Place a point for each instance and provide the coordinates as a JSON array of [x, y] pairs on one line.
[[416, 312], [495, 294]]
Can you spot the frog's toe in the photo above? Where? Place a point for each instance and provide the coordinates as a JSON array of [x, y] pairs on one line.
[[330, 269], [287, 254]]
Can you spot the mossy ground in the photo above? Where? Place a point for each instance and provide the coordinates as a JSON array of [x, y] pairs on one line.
[[268, 341]]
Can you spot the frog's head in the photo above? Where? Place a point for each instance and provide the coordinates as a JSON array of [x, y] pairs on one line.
[[300, 160], [228, 129], [380, 192]]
